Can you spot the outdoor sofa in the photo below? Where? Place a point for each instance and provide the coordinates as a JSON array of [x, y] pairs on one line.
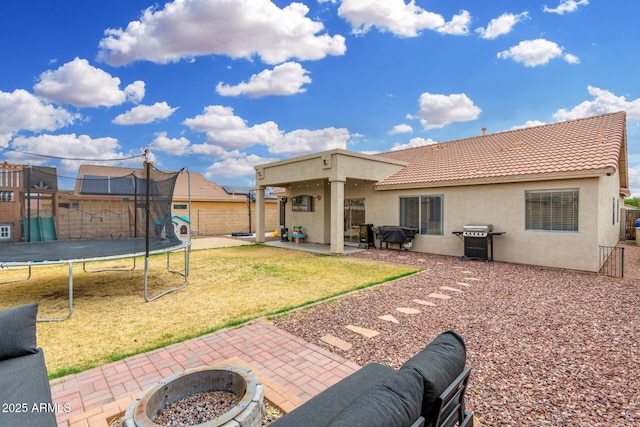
[[25, 395], [428, 390]]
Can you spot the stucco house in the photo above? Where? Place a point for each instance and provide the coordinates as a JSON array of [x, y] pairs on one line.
[[207, 206], [219, 209], [555, 190]]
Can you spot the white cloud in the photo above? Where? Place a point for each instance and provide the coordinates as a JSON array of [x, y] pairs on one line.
[[571, 59], [437, 111], [284, 79], [501, 25], [68, 145], [604, 102], [536, 52], [529, 124], [413, 143], [566, 6], [303, 141], [239, 29], [399, 18], [143, 114], [402, 128], [82, 85], [236, 165], [20, 110], [173, 146], [634, 181], [226, 131], [458, 26]]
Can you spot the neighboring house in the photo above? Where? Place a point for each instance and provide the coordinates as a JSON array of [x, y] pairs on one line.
[[109, 202], [27, 191], [217, 209], [557, 191], [98, 210]]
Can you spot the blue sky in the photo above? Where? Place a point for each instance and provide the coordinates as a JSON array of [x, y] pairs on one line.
[[220, 86]]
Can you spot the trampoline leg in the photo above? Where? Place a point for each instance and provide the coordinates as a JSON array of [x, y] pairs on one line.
[[147, 298], [19, 280], [58, 319]]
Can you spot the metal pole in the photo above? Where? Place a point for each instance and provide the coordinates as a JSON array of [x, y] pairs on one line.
[[28, 236], [147, 211], [135, 205]]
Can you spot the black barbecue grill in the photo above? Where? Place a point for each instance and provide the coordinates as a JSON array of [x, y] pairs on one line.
[[478, 241], [395, 234]]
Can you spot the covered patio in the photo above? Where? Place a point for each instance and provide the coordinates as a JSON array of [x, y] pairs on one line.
[[315, 189], [312, 247]]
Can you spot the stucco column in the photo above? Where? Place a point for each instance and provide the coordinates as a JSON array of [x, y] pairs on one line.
[[259, 214], [337, 216]]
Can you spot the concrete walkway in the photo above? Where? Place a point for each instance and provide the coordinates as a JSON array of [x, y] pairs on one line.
[[290, 369]]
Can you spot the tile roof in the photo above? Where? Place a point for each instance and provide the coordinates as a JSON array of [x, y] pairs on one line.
[[584, 147], [202, 189]]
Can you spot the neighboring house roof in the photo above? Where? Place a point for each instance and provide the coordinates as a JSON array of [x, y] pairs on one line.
[[202, 190], [584, 147], [245, 190], [100, 180], [91, 181]]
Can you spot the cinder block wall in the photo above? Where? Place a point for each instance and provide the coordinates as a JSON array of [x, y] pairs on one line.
[[209, 222]]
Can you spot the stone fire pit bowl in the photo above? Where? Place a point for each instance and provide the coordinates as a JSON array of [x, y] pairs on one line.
[[239, 381]]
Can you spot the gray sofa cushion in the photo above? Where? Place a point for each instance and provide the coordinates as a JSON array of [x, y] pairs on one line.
[[18, 331], [24, 384], [438, 364], [320, 410], [395, 402]]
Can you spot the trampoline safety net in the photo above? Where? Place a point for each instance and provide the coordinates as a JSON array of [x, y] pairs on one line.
[[112, 207]]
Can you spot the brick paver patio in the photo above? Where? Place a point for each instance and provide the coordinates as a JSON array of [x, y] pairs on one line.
[[290, 369]]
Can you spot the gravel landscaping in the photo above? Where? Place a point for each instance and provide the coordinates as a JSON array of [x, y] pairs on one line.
[[548, 347]]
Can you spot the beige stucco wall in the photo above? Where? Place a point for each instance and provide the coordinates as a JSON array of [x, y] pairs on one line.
[[216, 218], [330, 165], [504, 206], [609, 204], [313, 223]]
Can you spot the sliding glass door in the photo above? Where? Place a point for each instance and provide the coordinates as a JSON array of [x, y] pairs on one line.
[[353, 218]]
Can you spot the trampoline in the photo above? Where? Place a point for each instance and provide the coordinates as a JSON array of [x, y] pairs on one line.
[[148, 230]]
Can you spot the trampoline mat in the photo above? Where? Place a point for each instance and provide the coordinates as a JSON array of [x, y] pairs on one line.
[[61, 251]]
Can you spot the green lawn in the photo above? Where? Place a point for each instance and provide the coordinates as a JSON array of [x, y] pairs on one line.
[[227, 286]]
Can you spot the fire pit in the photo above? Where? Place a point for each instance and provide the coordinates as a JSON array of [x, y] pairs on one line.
[[239, 381]]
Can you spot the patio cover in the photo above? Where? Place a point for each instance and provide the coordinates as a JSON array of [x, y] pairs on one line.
[[336, 166]]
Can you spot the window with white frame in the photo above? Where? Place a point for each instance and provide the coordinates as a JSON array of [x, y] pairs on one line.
[[5, 232], [424, 213], [552, 210]]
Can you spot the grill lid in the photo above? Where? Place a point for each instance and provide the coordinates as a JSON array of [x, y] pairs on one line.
[[478, 227], [476, 230]]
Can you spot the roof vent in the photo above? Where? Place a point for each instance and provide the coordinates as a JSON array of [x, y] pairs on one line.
[[484, 131]]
